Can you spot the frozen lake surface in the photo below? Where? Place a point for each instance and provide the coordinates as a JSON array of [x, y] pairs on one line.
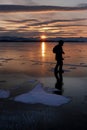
[[37, 59]]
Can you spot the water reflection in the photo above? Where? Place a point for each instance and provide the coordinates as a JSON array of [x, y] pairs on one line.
[[43, 48], [59, 82], [38, 59]]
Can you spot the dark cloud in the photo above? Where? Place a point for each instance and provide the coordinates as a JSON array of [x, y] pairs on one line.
[[22, 21], [20, 34], [62, 34], [56, 21], [21, 8], [70, 25], [2, 29]]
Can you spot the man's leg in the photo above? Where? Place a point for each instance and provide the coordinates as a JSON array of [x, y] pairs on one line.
[[61, 66], [56, 67], [56, 71]]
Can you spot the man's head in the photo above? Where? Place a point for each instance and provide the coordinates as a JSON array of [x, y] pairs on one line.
[[61, 42]]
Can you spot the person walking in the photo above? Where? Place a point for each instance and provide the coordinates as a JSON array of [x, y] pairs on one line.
[[58, 50]]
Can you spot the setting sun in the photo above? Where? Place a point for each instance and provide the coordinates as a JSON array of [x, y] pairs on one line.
[[43, 37]]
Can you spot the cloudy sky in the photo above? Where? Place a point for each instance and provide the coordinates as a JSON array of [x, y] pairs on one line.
[[53, 18]]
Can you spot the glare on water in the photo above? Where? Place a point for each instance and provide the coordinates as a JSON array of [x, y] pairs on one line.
[[35, 58]]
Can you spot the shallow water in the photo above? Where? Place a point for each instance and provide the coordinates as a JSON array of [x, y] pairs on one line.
[[37, 59]]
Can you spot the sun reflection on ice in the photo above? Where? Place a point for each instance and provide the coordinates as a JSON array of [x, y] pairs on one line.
[[43, 49]]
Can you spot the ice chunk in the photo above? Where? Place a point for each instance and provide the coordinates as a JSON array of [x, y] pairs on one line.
[[38, 95]]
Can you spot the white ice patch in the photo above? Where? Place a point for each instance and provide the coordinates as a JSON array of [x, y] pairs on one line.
[[4, 94], [38, 95]]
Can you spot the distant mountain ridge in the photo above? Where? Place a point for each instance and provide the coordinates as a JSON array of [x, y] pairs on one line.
[[21, 39]]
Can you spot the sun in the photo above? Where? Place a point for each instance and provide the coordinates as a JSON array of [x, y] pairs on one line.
[[43, 37]]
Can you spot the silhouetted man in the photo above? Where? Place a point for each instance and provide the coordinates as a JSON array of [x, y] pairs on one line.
[[58, 50]]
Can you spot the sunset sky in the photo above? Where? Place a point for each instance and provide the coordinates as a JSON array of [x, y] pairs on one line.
[[53, 18]]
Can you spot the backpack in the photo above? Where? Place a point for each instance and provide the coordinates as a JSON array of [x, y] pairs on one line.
[[55, 50]]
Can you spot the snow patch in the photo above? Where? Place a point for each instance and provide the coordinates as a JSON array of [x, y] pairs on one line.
[[38, 95]]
